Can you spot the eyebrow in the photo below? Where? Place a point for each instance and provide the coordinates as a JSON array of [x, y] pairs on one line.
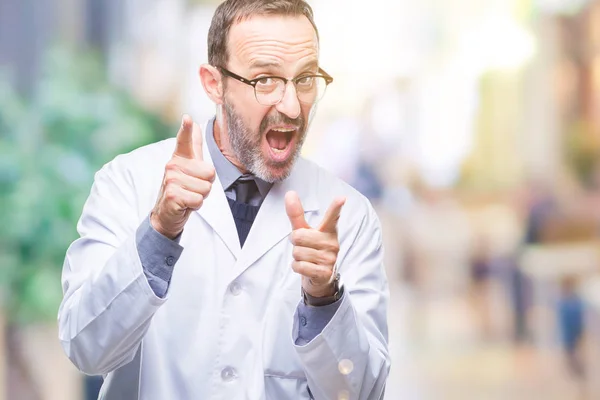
[[260, 64], [310, 64], [264, 64]]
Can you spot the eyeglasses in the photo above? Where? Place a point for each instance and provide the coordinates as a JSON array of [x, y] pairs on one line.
[[269, 90]]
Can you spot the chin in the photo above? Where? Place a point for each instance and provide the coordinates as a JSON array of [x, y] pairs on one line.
[[273, 173]]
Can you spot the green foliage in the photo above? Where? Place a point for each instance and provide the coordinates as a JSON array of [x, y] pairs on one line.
[[50, 147]]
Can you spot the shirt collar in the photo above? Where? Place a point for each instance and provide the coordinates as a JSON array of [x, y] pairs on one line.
[[227, 172]]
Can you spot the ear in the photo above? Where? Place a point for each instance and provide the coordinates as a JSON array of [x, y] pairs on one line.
[[212, 82]]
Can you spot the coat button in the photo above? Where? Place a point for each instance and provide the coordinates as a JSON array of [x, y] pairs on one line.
[[228, 374], [303, 321], [235, 289], [170, 261]]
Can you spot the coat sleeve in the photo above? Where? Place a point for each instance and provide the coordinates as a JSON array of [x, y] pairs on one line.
[[349, 358], [108, 303]]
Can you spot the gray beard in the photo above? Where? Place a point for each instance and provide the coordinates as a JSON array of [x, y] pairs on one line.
[[246, 145]]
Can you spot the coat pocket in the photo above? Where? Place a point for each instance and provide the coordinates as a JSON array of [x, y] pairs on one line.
[[279, 387]]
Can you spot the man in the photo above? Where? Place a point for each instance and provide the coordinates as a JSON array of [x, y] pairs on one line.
[[221, 266]]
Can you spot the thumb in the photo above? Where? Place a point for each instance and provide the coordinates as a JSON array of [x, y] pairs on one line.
[[332, 215], [185, 142], [294, 210]]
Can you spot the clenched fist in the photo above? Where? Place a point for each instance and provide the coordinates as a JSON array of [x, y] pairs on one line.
[[186, 183]]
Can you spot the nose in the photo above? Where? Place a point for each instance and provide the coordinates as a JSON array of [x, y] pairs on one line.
[[289, 104]]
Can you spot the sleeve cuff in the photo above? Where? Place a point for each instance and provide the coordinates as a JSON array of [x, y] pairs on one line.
[[158, 255], [312, 320]]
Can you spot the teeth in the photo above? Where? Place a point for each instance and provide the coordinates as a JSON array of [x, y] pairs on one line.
[[283, 129], [277, 150]]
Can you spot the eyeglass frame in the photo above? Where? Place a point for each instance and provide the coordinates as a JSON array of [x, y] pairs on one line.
[[254, 82]]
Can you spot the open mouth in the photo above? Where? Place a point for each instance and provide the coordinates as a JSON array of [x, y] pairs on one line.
[[280, 142]]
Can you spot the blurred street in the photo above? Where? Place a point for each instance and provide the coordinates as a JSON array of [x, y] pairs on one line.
[[439, 352], [450, 339]]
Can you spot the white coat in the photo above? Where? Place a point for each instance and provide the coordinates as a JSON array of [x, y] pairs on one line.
[[227, 326]]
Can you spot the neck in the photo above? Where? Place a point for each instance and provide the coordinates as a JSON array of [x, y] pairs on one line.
[[221, 136]]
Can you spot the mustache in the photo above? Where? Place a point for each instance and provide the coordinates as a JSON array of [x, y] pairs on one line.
[[282, 119]]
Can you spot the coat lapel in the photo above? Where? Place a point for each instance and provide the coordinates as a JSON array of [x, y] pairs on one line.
[[272, 223], [216, 212]]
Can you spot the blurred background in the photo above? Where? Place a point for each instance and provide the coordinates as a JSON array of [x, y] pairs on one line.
[[472, 125]]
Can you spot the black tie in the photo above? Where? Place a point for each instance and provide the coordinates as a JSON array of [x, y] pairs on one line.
[[243, 213], [245, 189]]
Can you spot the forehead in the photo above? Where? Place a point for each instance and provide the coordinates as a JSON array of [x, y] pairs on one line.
[[272, 39]]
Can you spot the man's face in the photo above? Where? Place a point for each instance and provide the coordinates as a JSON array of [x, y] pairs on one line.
[[267, 140]]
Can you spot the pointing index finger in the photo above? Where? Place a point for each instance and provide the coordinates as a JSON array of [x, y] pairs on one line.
[[185, 142], [332, 215], [197, 141]]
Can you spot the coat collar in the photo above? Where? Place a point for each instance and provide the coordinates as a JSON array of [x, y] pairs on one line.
[[271, 224]]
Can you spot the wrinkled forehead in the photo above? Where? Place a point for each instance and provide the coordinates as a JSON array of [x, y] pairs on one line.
[[275, 40]]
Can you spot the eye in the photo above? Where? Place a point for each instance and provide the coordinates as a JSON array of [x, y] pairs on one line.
[[266, 81], [267, 84], [305, 80]]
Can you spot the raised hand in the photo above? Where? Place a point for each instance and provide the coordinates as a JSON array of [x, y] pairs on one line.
[[315, 250], [186, 183]]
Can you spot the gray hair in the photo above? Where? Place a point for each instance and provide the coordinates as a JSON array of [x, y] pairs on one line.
[[233, 11]]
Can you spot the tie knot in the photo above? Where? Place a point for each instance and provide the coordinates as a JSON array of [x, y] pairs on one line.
[[245, 188]]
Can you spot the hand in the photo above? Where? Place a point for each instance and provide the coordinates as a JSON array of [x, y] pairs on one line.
[[186, 183], [315, 250]]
